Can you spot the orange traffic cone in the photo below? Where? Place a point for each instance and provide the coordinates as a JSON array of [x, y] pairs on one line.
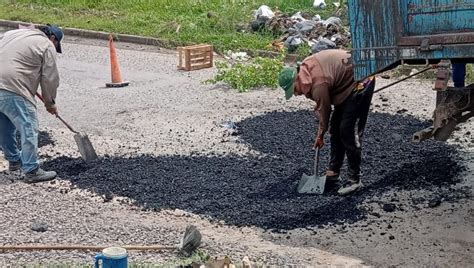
[[114, 66]]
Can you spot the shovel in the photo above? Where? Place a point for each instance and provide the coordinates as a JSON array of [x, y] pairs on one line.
[[83, 143], [312, 184]]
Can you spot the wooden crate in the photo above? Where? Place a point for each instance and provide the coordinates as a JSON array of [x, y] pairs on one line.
[[195, 57]]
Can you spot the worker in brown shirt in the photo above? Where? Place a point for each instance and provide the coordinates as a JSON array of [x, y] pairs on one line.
[[327, 78]]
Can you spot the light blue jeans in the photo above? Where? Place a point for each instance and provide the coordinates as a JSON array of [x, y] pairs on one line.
[[17, 113]]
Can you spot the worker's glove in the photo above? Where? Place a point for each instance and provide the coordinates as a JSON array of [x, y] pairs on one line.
[[52, 109], [319, 143]]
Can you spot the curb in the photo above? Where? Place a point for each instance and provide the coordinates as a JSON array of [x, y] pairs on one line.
[[136, 39], [100, 35]]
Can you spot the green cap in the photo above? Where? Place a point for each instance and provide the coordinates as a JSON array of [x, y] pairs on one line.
[[286, 80]]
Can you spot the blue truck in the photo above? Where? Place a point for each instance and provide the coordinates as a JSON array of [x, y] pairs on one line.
[[387, 33]]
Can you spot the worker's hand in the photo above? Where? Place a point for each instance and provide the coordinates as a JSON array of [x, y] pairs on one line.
[[319, 143], [52, 110]]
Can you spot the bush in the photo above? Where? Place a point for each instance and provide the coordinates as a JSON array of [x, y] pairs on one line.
[[244, 76]]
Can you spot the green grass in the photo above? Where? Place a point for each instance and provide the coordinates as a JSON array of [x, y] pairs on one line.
[[258, 72], [184, 21], [469, 74], [198, 257]]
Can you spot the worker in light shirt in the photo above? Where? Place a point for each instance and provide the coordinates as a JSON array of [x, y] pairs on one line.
[[28, 60]]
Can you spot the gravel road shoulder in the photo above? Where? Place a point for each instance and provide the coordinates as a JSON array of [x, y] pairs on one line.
[[171, 118]]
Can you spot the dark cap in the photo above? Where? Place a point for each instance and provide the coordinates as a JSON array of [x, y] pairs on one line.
[[58, 34]]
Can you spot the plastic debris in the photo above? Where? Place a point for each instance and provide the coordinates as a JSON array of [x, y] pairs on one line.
[[228, 125], [337, 38], [293, 42], [332, 21], [264, 12], [262, 15], [319, 3], [413, 71], [297, 17], [303, 28], [322, 44], [237, 56]]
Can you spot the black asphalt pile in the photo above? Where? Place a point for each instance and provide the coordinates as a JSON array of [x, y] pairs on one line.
[[261, 191]]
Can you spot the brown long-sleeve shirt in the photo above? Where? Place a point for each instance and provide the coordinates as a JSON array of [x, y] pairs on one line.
[[328, 79]]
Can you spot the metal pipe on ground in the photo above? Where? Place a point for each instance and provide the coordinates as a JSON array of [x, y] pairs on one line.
[[190, 242], [403, 79]]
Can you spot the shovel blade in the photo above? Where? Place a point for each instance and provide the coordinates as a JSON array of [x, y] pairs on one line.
[[85, 147], [311, 184]]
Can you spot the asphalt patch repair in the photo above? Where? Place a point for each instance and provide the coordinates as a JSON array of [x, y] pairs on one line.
[[260, 191]]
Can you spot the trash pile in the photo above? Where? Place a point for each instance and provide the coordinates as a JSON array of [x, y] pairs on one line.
[[301, 28]]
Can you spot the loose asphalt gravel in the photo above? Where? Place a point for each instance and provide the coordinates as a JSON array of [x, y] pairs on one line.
[[260, 191]]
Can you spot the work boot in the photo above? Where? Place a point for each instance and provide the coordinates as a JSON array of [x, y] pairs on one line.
[[349, 187], [39, 175], [331, 176], [14, 165]]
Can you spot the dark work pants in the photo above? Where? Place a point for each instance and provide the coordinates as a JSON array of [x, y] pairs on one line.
[[347, 127], [459, 74]]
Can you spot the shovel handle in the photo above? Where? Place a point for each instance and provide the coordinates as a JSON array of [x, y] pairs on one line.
[[57, 115], [316, 162], [66, 124]]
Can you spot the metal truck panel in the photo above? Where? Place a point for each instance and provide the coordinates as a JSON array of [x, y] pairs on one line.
[[386, 32], [426, 17]]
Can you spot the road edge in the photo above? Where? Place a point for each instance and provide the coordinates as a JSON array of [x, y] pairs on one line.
[[99, 34], [137, 39]]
